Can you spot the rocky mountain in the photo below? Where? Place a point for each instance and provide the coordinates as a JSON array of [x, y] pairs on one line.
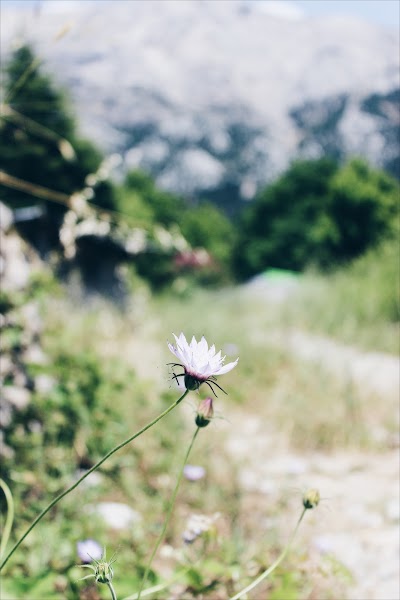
[[214, 98]]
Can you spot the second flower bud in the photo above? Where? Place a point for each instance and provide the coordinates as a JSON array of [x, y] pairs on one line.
[[205, 412]]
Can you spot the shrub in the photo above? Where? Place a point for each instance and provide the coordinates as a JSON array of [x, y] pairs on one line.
[[316, 214]]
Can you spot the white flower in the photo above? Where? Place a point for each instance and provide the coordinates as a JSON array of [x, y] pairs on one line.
[[199, 362], [194, 472], [198, 525]]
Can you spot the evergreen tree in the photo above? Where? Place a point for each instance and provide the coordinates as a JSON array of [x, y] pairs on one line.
[[39, 144]]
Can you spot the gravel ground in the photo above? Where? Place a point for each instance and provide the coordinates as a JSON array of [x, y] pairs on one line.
[[358, 522]]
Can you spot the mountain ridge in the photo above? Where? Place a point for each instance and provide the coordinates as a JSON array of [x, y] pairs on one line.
[[211, 95]]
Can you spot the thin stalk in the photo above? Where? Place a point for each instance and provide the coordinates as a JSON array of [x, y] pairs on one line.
[[94, 468], [9, 517], [274, 565], [169, 513], [113, 594]]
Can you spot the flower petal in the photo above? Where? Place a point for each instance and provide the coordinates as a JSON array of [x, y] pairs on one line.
[[226, 368], [198, 359]]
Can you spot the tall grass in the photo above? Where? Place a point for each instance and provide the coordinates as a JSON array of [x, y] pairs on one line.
[[358, 304]]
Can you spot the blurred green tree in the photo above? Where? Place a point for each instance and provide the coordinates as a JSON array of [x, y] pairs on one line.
[[363, 203], [287, 224], [205, 226], [141, 195], [39, 144], [316, 213]]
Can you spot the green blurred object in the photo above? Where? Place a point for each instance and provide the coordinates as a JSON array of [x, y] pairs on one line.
[[316, 214], [280, 275]]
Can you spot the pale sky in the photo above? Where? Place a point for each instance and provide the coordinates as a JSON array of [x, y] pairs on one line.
[[384, 12]]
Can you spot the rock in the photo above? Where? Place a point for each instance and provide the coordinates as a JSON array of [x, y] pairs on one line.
[[35, 355], [117, 515], [392, 510], [15, 268], [44, 384], [30, 317], [6, 366], [5, 451], [16, 396], [5, 413], [6, 217]]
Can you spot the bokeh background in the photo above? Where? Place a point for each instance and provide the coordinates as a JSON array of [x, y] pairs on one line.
[[221, 168]]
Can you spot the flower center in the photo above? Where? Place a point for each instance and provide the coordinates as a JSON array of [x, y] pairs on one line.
[[192, 383]]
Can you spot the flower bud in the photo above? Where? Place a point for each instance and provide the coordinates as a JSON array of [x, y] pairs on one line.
[[102, 569], [104, 572], [311, 498], [205, 412]]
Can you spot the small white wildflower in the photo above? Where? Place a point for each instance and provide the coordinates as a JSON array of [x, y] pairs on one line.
[[194, 472], [200, 363], [199, 525]]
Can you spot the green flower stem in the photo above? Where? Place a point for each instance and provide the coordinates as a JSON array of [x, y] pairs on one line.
[[9, 518], [113, 594], [169, 513], [274, 565], [94, 468]]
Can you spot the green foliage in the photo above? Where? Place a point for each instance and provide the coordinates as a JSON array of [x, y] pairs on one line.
[[204, 226], [286, 224], [70, 426], [157, 268], [358, 304], [34, 95], [316, 214], [362, 206], [161, 207], [39, 145]]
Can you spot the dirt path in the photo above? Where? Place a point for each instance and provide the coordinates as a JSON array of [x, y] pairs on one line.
[[358, 522], [375, 372]]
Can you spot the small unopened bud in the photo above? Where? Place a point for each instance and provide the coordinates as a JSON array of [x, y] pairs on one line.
[[102, 569], [205, 412], [311, 498], [104, 572]]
